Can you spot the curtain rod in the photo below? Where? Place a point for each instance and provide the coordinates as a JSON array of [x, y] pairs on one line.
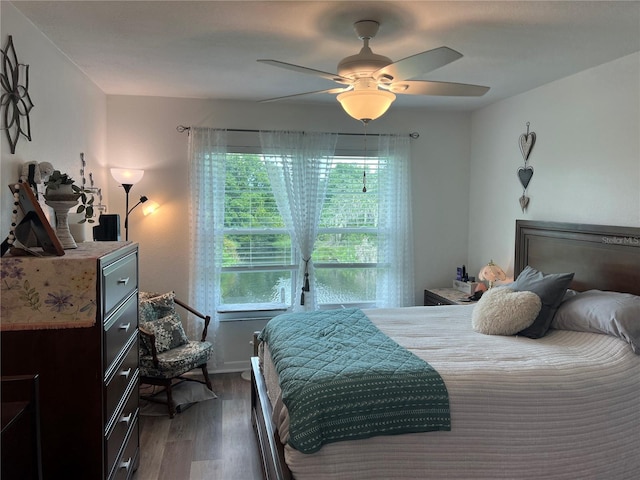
[[182, 128]]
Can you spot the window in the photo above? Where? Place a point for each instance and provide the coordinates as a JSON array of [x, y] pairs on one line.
[[258, 258], [242, 255], [346, 251], [259, 265]]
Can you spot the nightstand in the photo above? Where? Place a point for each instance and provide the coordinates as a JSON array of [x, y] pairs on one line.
[[445, 296]]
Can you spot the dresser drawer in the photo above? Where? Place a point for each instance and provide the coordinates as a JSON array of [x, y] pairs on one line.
[[118, 330], [119, 280], [126, 422], [127, 463], [117, 385]]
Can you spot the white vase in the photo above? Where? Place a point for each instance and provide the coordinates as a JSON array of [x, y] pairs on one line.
[[61, 208], [78, 230]]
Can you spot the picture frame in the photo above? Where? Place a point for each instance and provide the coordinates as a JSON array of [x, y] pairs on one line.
[[34, 221]]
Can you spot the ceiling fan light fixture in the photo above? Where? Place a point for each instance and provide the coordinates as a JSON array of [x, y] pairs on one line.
[[369, 81], [366, 105]]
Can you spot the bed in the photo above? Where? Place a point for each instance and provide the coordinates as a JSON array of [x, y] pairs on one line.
[[564, 406]]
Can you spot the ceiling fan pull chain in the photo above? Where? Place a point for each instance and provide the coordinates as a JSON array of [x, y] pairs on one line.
[[364, 166]]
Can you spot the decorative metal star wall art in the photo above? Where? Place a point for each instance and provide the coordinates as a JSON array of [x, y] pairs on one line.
[[15, 101]]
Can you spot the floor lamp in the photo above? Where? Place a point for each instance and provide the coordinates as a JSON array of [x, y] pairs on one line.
[[127, 178]]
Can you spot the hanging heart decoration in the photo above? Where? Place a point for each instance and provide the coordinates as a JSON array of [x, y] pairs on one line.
[[525, 174], [527, 141]]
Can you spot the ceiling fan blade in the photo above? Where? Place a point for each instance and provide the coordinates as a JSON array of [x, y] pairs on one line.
[[309, 71], [416, 65], [424, 87], [331, 90]]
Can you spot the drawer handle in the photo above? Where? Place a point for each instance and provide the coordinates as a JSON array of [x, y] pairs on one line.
[[125, 326], [126, 419], [123, 281], [126, 373], [126, 464]]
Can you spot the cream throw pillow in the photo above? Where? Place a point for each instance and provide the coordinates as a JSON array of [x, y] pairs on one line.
[[502, 311]]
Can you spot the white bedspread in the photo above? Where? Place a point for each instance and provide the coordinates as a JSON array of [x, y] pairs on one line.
[[566, 406]]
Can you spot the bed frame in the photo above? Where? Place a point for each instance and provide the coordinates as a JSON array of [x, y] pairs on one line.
[[603, 257]]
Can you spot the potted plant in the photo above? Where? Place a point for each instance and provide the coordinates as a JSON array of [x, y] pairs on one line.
[[86, 204], [60, 186]]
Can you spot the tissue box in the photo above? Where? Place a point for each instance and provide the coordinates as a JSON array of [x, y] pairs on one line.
[[465, 287]]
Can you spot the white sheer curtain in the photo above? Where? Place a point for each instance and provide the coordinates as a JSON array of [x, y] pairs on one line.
[[395, 286], [298, 165], [207, 161]]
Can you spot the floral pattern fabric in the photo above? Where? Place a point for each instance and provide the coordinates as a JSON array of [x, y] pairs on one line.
[[52, 292], [153, 306], [176, 361], [168, 332]]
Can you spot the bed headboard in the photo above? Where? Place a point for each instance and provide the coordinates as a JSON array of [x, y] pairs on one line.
[[603, 257]]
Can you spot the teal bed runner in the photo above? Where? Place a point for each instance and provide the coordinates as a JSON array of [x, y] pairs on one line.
[[343, 379]]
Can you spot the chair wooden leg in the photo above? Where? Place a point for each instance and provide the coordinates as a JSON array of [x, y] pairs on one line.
[[205, 374], [172, 407]]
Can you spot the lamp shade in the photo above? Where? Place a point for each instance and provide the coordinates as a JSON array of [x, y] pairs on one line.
[[127, 176], [366, 105], [492, 273]]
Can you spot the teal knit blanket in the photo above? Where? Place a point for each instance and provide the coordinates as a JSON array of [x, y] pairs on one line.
[[343, 379]]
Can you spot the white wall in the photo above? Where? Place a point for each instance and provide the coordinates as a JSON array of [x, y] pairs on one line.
[[68, 117], [586, 158]]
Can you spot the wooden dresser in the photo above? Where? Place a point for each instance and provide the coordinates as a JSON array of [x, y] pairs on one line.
[[73, 321]]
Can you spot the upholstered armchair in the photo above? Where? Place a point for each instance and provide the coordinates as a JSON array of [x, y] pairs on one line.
[[166, 353]]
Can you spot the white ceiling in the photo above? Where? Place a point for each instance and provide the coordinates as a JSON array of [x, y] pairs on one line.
[[208, 49]]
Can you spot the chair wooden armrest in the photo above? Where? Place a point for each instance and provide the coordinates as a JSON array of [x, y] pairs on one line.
[[206, 318], [151, 340]]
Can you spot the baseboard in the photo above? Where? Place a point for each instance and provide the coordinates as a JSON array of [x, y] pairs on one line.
[[231, 367]]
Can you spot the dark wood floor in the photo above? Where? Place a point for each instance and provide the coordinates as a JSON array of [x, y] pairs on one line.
[[213, 439]]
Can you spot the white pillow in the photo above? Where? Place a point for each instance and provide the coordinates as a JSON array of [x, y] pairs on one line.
[[612, 313], [502, 311]]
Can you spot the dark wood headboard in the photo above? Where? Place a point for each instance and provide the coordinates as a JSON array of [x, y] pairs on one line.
[[603, 257]]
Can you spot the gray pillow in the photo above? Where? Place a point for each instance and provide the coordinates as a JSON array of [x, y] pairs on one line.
[[550, 288], [611, 313]]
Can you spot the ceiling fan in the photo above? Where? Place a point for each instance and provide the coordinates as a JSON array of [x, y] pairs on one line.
[[370, 81]]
